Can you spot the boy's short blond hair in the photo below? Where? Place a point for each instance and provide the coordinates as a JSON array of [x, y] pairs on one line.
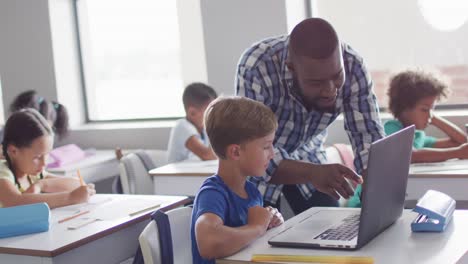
[[236, 120], [410, 86]]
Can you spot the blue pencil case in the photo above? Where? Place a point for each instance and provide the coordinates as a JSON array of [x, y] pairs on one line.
[[435, 212], [24, 219]]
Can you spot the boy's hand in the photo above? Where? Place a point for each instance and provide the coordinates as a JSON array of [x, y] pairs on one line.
[[259, 216], [277, 217]]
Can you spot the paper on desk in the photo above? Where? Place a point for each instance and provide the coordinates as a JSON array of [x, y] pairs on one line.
[[123, 208], [66, 211], [463, 259], [114, 211], [93, 202], [449, 165]]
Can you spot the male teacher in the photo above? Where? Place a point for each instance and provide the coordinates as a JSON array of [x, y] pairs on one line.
[[307, 79]]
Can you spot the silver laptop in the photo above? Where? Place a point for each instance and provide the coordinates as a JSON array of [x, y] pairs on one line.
[[383, 197]]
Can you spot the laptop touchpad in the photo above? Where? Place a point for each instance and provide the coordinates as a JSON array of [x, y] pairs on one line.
[[322, 220]]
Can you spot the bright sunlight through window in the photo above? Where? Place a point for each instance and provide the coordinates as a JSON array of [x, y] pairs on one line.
[[131, 59], [447, 15]]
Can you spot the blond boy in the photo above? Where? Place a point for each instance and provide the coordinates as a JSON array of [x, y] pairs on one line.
[[228, 212]]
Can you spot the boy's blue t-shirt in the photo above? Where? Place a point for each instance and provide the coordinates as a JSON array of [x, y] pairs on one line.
[[215, 197], [391, 126]]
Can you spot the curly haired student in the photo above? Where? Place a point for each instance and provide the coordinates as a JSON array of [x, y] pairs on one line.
[[412, 97]]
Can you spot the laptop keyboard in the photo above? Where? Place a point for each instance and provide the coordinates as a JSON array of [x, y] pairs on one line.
[[345, 231]]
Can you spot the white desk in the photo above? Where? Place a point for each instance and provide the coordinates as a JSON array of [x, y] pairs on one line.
[[105, 241], [182, 178], [450, 177], [100, 167], [185, 178], [395, 245]]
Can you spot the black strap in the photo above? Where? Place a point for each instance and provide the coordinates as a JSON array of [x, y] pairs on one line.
[[138, 259], [165, 237], [165, 240]]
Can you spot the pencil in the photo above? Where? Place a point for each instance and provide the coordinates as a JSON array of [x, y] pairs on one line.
[[82, 182], [73, 216], [313, 259], [144, 210]]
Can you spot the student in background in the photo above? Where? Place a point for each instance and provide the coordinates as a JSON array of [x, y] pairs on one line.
[[188, 138], [27, 141], [228, 211], [412, 97], [55, 113]]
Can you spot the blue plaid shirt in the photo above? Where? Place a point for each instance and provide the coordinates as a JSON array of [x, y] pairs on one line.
[[262, 75]]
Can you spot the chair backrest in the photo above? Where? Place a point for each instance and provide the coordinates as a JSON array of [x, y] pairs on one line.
[[346, 154], [151, 242], [134, 169]]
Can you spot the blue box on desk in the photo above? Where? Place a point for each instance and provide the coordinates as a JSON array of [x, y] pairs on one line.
[[24, 219], [435, 212]]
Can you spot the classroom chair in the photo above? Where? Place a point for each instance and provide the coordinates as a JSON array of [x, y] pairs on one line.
[[166, 239], [134, 167]]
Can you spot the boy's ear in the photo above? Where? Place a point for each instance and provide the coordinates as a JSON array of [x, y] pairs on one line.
[[233, 152], [191, 111]]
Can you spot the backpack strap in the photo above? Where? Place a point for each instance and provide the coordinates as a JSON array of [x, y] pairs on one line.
[[165, 237]]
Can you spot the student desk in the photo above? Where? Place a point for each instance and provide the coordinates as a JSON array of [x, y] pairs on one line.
[[397, 244], [182, 178], [99, 168], [450, 177], [105, 241]]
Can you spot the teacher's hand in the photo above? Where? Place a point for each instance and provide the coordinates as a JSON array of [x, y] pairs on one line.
[[331, 179]]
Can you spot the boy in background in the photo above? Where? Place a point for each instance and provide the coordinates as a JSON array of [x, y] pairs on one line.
[[228, 211], [188, 139]]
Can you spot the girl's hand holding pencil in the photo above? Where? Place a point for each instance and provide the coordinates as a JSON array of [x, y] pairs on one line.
[[82, 193], [82, 182]]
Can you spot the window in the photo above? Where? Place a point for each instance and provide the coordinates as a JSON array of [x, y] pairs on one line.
[[131, 59], [397, 35]]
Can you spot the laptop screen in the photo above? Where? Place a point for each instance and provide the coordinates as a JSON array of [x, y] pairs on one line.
[[384, 188]]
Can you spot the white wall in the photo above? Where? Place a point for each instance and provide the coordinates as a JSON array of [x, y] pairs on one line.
[[230, 27], [26, 56]]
